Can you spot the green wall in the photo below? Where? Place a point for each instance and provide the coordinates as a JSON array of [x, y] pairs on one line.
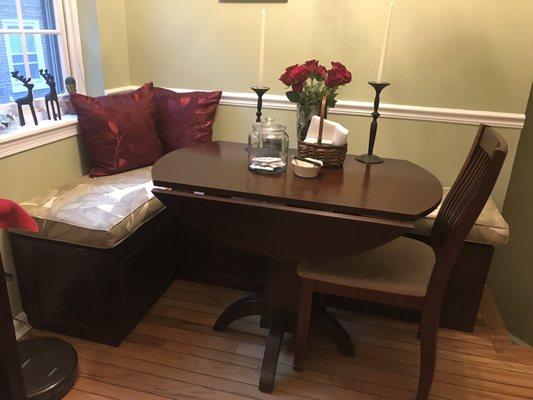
[[512, 272], [114, 42], [90, 47], [443, 53], [30, 173], [473, 54]]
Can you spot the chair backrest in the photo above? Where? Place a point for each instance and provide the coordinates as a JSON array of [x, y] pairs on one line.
[[465, 201]]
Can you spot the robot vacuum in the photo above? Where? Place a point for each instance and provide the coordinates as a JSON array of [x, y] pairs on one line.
[[49, 366]]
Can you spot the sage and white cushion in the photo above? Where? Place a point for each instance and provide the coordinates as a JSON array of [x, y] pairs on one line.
[[402, 266], [96, 212], [490, 227]]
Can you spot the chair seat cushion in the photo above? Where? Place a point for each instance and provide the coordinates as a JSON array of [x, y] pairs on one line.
[[95, 212], [402, 266], [490, 227]]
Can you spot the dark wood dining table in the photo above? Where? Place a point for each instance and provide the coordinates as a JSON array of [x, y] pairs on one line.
[[288, 219]]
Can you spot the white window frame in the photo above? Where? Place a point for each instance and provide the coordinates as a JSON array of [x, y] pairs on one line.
[[68, 33], [60, 31], [39, 82]]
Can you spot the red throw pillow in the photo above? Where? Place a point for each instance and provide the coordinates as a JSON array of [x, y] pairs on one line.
[[184, 119], [119, 131]]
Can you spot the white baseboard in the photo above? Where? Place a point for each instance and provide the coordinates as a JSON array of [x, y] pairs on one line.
[[20, 328], [361, 108], [518, 341]]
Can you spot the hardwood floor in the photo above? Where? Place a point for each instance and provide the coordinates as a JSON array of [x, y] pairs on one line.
[[174, 354]]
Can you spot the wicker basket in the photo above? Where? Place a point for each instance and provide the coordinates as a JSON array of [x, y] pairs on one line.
[[331, 156]]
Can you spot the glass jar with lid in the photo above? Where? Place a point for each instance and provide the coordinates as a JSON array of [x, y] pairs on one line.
[[268, 146]]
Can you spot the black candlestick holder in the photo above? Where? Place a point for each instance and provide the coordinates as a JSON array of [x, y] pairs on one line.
[[370, 157], [260, 91]]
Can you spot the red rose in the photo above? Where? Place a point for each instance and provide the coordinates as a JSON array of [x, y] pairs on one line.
[[321, 72], [299, 74], [316, 70], [333, 78], [311, 65], [298, 87], [286, 76], [295, 74], [338, 75], [346, 75]]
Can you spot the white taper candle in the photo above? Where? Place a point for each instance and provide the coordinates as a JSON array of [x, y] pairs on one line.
[[261, 77], [385, 44]]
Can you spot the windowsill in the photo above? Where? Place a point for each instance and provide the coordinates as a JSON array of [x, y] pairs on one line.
[[30, 136]]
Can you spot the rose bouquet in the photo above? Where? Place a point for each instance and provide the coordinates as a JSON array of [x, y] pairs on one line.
[[309, 83]]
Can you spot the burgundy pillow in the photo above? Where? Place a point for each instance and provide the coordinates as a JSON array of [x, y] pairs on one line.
[[184, 119], [119, 131]]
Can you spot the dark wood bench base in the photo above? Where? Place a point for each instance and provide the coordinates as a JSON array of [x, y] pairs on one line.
[[208, 261], [90, 293], [100, 295]]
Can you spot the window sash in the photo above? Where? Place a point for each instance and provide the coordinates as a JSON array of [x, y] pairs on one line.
[[23, 32], [38, 52]]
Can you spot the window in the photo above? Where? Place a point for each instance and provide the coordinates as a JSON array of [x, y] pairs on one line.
[[33, 39], [15, 55]]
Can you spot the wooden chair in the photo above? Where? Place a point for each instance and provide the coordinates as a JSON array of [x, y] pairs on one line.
[[406, 272]]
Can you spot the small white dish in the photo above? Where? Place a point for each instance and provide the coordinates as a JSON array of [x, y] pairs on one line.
[[305, 169]]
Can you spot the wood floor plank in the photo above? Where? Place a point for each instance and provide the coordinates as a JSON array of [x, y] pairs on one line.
[[203, 288], [444, 382], [174, 354], [283, 369], [230, 333], [160, 362], [402, 358], [76, 394], [115, 392], [346, 317], [225, 370], [208, 319], [326, 365], [164, 382], [187, 336], [401, 377], [358, 324], [465, 352], [373, 321], [361, 341]]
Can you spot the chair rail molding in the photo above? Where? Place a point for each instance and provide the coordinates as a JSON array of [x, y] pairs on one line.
[[361, 108]]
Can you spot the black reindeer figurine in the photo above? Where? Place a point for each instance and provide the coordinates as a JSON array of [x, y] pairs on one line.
[[51, 98], [26, 100]]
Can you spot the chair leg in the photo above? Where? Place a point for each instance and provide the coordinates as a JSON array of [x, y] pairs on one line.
[[304, 319], [428, 355]]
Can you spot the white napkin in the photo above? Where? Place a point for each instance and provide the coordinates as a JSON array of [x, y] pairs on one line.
[[333, 132]]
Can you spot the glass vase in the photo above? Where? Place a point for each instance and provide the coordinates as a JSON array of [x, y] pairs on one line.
[[303, 118]]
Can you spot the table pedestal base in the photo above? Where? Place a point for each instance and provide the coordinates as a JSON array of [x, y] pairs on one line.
[[278, 308]]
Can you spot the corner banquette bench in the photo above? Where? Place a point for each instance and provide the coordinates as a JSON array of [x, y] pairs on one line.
[[102, 257], [106, 251]]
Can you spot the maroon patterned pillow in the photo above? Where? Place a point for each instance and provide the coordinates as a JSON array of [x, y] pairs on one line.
[[119, 131], [184, 119]]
